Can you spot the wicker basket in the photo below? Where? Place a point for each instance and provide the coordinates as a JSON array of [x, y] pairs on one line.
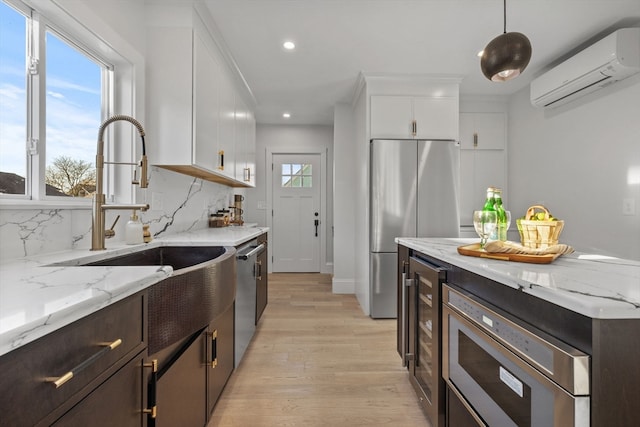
[[539, 234]]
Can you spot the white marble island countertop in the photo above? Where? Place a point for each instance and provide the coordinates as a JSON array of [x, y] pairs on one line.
[[38, 297], [596, 286]]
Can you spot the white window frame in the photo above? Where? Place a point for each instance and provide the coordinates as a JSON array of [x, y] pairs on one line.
[[83, 30]]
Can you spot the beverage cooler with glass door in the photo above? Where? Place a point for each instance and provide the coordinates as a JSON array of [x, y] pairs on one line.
[[420, 333]]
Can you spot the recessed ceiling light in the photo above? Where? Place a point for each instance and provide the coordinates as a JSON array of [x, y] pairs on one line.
[[289, 45], [286, 115]]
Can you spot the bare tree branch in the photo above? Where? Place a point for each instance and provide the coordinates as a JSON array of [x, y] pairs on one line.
[[73, 177]]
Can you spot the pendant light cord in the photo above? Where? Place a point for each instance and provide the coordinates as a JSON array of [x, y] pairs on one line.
[[505, 16]]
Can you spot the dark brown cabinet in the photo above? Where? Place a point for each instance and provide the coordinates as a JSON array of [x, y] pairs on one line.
[[262, 288], [181, 398], [117, 402], [194, 373], [219, 346], [94, 361]]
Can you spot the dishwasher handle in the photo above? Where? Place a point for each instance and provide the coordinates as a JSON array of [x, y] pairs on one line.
[[256, 250]]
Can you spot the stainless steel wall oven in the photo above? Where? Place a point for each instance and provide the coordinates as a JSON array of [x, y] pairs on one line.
[[505, 373]]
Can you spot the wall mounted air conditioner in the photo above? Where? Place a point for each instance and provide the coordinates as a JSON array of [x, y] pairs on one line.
[[609, 60]]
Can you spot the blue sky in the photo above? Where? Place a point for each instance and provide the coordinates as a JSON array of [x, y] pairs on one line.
[[73, 97]]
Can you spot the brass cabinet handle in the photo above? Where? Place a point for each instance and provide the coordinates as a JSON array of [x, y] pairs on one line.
[[475, 139], [60, 381], [414, 127], [221, 154], [152, 409], [214, 348], [247, 174]]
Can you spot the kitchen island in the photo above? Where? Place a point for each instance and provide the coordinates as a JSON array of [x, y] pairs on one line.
[[582, 309]]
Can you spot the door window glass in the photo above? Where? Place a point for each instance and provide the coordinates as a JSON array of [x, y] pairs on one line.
[[296, 175]]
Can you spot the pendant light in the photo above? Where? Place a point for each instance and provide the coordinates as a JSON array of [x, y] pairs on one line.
[[506, 56]]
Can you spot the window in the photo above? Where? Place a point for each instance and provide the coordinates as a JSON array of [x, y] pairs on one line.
[[296, 175], [13, 105], [53, 98]]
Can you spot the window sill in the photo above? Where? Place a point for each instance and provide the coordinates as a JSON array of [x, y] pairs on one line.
[[15, 204]]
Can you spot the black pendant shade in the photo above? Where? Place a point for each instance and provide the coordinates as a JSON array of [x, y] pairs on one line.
[[506, 56]]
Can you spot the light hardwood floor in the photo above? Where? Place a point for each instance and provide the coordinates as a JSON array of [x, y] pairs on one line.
[[316, 360]]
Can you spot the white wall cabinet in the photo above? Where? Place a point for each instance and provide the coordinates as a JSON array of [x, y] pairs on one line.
[[226, 127], [206, 94], [414, 117], [193, 124], [482, 160], [245, 144]]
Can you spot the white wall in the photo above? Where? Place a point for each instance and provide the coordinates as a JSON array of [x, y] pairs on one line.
[[361, 202], [289, 138], [344, 199], [581, 161]]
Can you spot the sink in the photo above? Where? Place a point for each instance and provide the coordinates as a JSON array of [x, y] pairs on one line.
[[201, 287], [178, 257]]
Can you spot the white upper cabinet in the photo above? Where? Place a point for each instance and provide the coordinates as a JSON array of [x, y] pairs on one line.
[[483, 160], [414, 117], [245, 144], [226, 127], [192, 118], [482, 131], [249, 176], [169, 95], [205, 106]]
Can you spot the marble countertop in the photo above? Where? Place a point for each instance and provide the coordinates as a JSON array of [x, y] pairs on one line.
[[38, 297], [596, 286]]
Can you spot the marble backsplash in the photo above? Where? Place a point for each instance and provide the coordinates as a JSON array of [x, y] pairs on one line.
[[186, 202]]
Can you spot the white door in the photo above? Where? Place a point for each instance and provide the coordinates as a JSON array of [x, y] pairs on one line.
[[296, 212]]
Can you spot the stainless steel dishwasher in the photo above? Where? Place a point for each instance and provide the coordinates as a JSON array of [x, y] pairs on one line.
[[245, 316]]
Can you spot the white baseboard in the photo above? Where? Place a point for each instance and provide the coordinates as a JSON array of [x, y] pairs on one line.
[[343, 286]]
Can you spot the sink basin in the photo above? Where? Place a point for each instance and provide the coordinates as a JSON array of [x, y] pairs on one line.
[[201, 287], [178, 257]]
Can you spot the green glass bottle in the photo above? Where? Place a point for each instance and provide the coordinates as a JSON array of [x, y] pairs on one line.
[[489, 204], [501, 229]]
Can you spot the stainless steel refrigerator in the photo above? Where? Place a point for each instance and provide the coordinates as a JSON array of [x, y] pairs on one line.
[[414, 192]]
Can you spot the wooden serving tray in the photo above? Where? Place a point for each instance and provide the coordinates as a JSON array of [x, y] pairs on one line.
[[474, 250]]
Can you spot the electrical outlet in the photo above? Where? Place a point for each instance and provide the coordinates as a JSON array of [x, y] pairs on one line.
[[156, 201], [628, 206]]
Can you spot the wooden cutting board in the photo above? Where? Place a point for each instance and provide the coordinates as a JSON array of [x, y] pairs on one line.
[[474, 250]]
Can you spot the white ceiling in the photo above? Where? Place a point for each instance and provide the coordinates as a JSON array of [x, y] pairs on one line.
[[338, 39]]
